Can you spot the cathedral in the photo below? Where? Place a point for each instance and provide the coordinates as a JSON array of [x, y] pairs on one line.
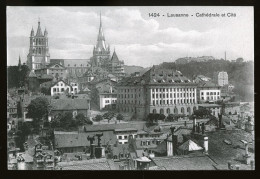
[[101, 56], [40, 63], [38, 56]]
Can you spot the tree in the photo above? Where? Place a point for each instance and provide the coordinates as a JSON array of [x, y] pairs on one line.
[[161, 117], [80, 119], [120, 117], [37, 110], [45, 90], [98, 118], [202, 112], [66, 120], [88, 121], [109, 116]]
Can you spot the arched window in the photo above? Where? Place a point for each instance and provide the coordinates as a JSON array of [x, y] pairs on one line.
[[182, 110], [168, 111], [188, 110], [39, 50], [175, 110], [154, 111], [161, 111]]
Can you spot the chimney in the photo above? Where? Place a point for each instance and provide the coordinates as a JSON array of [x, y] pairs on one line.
[[206, 145], [198, 130], [92, 151], [203, 128], [174, 141], [194, 125]]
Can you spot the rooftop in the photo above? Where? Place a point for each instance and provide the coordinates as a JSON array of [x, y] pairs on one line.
[[220, 152], [199, 162], [69, 104], [158, 75], [93, 164]]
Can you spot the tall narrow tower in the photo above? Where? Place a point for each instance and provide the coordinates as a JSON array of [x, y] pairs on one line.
[[101, 51], [38, 56]]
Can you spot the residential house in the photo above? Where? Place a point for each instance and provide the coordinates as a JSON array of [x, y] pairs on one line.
[[75, 106]]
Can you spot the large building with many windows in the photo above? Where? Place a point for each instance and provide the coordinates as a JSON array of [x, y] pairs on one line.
[[159, 90]]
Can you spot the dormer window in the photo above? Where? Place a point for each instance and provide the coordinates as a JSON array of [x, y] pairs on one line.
[[159, 81]]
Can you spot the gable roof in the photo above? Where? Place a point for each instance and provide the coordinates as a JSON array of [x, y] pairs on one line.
[[69, 104], [200, 162], [189, 145], [92, 164], [60, 81]]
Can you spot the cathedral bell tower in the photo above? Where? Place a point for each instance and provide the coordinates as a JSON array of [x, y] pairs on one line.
[[101, 51], [38, 56]]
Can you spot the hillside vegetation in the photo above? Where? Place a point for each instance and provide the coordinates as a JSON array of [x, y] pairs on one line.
[[241, 75]]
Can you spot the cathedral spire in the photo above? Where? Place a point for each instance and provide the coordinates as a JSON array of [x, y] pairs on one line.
[[39, 30], [32, 32], [19, 64], [101, 44]]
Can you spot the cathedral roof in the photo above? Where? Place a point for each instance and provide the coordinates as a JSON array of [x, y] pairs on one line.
[[39, 30], [114, 57], [101, 44]]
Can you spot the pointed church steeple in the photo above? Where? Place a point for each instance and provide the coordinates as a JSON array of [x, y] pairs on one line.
[[101, 45], [32, 32], [39, 30], [45, 32], [114, 56], [19, 64]]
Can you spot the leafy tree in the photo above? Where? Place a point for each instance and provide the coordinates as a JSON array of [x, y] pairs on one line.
[[202, 112], [66, 120], [45, 90], [88, 121], [109, 116], [161, 117], [80, 119], [17, 78], [37, 110], [120, 117], [98, 118]]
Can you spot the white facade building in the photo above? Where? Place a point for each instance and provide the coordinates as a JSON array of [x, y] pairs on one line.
[[209, 95], [122, 135], [222, 78], [107, 100], [60, 87]]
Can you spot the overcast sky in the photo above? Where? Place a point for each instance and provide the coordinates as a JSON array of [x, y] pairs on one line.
[[137, 38]]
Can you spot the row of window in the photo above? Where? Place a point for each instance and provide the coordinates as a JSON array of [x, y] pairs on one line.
[[210, 98], [178, 101], [107, 101], [148, 142], [167, 95], [172, 89], [175, 110], [129, 102], [129, 95], [210, 93]]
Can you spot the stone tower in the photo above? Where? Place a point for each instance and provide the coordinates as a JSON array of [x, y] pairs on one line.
[[101, 51], [38, 56]]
